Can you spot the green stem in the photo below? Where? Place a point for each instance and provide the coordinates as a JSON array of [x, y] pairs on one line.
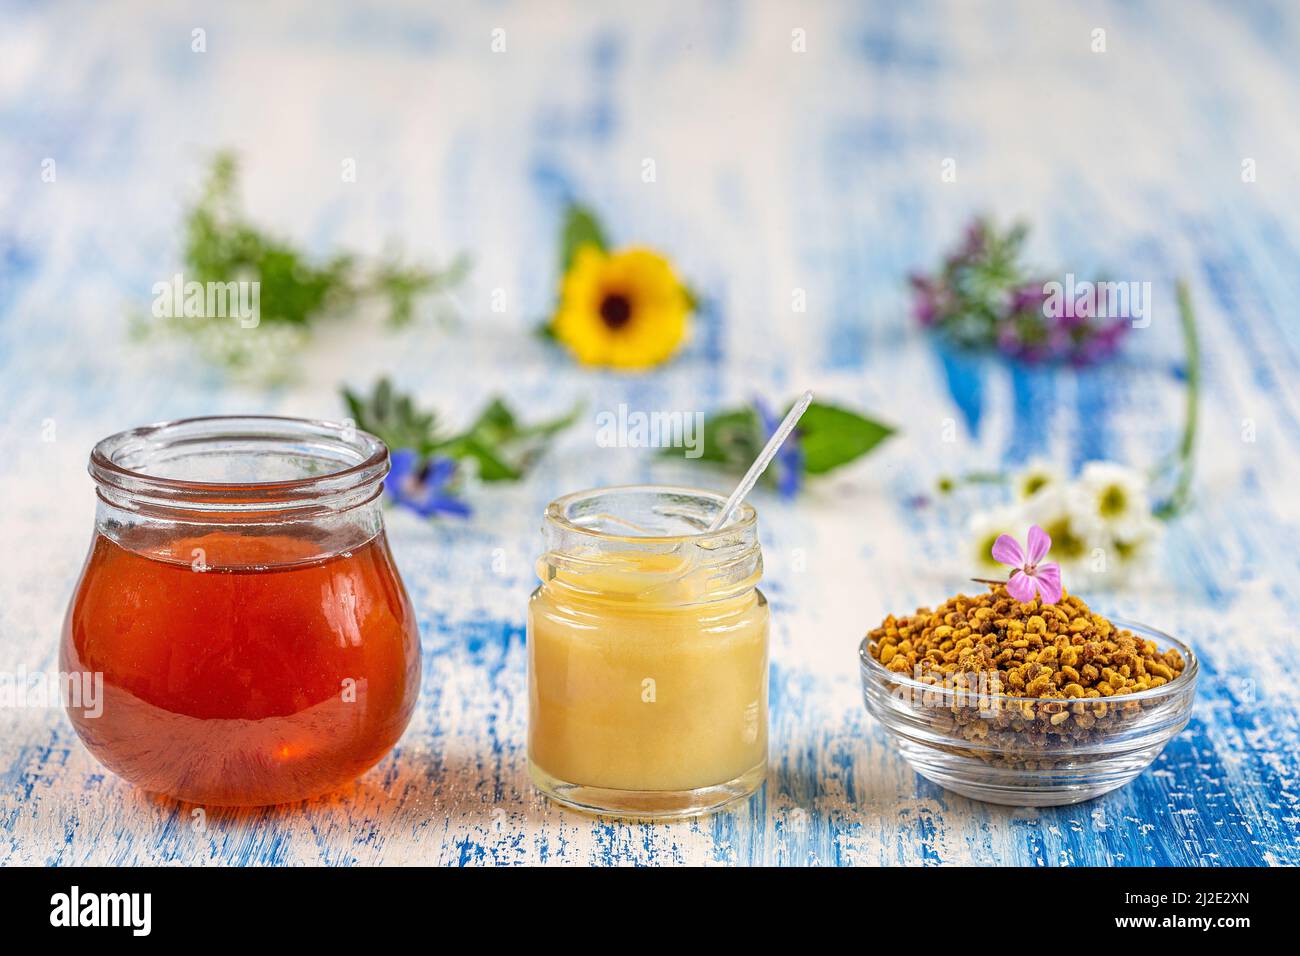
[[950, 483], [1179, 500], [985, 478]]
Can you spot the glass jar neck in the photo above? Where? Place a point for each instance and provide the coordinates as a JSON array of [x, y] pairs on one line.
[[316, 482], [649, 546]]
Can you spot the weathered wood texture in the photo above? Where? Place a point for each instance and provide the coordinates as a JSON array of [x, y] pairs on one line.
[[775, 170]]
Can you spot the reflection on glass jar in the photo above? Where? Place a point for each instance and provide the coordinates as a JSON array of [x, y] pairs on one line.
[[647, 654], [254, 639]]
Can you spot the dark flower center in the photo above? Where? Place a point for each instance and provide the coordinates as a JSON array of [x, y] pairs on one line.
[[1113, 501], [1064, 541], [615, 310]]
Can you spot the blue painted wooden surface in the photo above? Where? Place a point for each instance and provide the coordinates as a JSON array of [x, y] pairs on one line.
[[776, 170]]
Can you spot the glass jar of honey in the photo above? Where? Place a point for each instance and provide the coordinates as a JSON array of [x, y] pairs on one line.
[[647, 654], [241, 606]]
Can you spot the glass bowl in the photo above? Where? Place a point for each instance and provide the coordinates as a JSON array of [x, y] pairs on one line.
[[987, 747]]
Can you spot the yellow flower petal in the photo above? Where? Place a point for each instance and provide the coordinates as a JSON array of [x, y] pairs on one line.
[[625, 309]]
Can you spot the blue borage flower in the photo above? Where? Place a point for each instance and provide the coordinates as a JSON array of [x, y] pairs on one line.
[[422, 486], [788, 464]]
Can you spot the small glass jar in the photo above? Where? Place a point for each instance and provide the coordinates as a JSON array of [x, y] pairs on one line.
[[242, 610], [647, 654]]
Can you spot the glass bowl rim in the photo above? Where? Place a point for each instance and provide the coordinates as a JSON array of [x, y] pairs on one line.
[[877, 671]]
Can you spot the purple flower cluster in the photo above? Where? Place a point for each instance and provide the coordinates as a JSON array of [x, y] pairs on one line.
[[981, 298]]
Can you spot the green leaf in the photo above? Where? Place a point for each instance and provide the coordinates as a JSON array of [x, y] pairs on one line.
[[693, 299], [393, 417], [501, 446], [221, 244], [403, 285], [504, 447], [547, 428], [732, 438], [581, 228], [492, 466], [832, 436]]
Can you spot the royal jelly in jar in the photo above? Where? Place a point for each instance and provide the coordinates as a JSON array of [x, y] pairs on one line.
[[243, 611], [647, 654]]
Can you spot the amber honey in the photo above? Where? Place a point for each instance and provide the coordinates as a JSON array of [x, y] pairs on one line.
[[254, 639], [252, 674]]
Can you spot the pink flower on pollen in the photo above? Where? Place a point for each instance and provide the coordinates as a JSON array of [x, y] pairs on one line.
[[1030, 577]]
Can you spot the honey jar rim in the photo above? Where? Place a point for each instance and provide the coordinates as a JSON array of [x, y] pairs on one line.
[[362, 461], [557, 513]]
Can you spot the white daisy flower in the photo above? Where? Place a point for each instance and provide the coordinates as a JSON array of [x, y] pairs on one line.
[[1037, 476], [1061, 510], [985, 528], [1123, 561], [1139, 541], [1117, 497]]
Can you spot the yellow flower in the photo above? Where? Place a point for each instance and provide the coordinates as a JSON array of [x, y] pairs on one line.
[[627, 309]]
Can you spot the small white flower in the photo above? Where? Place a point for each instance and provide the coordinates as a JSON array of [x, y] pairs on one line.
[[985, 527], [1123, 561], [1117, 497], [1037, 476], [1062, 511], [1139, 541]]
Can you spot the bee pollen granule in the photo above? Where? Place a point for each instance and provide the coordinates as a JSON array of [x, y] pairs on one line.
[[1070, 659]]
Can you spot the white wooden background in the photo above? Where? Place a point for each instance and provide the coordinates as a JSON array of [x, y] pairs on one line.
[[776, 170]]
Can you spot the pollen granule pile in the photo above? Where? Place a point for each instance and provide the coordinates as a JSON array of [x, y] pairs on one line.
[[1074, 662]]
